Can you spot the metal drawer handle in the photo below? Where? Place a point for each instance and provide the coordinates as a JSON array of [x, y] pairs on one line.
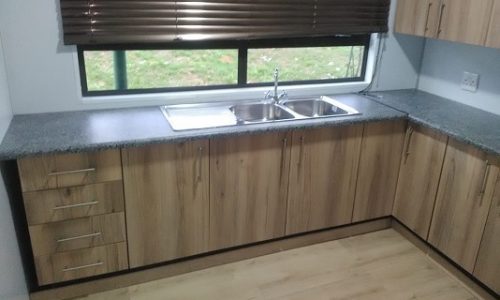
[[75, 205], [85, 236], [72, 172], [99, 263]]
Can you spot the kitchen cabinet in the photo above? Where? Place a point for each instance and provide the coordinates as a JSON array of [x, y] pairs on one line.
[[323, 172], [166, 201], [73, 202], [493, 38], [417, 17], [74, 207], [81, 263], [463, 202], [421, 163], [487, 268], [378, 169], [465, 21], [248, 185], [64, 170]]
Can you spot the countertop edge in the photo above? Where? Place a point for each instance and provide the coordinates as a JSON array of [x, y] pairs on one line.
[[244, 130]]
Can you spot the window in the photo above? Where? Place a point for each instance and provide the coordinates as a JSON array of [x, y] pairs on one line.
[[198, 66]]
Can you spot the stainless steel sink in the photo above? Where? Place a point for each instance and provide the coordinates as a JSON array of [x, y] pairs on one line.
[[237, 113], [260, 113], [319, 107]]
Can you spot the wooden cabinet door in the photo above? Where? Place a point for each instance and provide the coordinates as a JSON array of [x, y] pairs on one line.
[[248, 184], [166, 201], [417, 17], [323, 172], [465, 21], [418, 182], [487, 267], [493, 38], [378, 169], [462, 204]]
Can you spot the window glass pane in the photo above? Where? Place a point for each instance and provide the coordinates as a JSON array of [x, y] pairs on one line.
[[99, 68], [309, 63], [181, 68]]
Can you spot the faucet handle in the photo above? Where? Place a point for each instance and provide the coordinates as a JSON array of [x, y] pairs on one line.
[[268, 95], [283, 95]]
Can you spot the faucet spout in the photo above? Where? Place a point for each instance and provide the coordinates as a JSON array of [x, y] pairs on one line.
[[275, 95], [276, 82]]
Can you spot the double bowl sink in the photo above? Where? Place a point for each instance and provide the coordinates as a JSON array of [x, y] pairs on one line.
[[207, 115]]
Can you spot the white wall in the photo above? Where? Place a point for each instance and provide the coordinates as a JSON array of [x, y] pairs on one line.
[[400, 61], [12, 283], [43, 76], [444, 63]]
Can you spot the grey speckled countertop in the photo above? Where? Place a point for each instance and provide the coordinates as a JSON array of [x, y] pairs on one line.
[[462, 122], [102, 129]]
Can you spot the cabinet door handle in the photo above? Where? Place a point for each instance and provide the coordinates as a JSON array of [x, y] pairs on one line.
[[301, 151], [75, 205], [486, 175], [283, 151], [69, 269], [408, 143], [427, 17], [85, 236], [72, 172], [200, 163], [440, 29]]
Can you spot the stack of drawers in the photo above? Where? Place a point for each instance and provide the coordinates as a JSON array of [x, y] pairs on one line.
[[75, 211]]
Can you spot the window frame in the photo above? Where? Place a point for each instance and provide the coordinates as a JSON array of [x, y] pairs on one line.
[[242, 47]]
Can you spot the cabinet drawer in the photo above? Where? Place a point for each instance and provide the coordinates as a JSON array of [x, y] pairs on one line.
[[56, 171], [72, 203], [75, 234], [81, 263]]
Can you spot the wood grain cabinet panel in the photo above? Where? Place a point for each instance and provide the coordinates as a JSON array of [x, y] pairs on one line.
[[487, 267], [462, 204], [323, 173], [81, 263], [493, 38], [465, 21], [73, 202], [417, 17], [378, 169], [75, 234], [64, 170], [166, 200], [248, 184], [419, 175]]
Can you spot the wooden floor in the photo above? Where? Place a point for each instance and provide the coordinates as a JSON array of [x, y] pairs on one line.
[[381, 265]]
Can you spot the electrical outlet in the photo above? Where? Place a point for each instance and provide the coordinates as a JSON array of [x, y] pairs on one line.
[[470, 81]]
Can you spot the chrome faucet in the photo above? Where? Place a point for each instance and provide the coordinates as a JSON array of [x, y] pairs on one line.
[[276, 96]]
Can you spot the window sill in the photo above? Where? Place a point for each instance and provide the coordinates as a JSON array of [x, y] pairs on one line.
[[294, 91]]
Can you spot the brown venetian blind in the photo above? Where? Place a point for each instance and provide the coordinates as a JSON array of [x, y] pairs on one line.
[[93, 22]]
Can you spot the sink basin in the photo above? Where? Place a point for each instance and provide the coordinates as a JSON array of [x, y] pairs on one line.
[[260, 112], [319, 107]]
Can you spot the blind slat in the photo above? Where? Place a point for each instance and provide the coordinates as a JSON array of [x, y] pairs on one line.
[[94, 22]]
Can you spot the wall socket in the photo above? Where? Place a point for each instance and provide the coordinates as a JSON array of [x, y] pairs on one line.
[[470, 82]]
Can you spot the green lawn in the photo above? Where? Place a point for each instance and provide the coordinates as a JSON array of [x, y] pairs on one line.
[[179, 68]]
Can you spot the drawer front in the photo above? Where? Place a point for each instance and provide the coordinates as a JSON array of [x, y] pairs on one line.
[[81, 263], [75, 234], [56, 171], [72, 203]]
